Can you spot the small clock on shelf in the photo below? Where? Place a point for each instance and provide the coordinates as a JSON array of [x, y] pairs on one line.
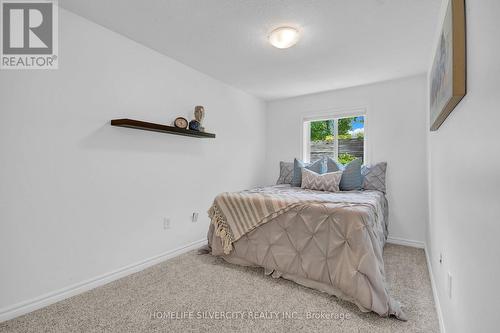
[[181, 122]]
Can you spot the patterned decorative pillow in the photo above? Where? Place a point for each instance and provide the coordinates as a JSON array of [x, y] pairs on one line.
[[374, 176], [351, 174], [326, 182], [286, 173], [299, 165]]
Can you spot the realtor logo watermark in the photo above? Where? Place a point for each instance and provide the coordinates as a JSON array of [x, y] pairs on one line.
[[29, 34]]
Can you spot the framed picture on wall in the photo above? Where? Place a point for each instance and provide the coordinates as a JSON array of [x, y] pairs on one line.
[[448, 74]]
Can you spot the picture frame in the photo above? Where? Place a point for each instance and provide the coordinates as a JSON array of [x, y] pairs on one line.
[[449, 73]]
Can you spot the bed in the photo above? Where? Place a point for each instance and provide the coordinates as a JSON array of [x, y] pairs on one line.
[[329, 241]]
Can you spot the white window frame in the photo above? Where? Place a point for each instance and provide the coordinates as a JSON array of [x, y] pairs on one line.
[[329, 115]]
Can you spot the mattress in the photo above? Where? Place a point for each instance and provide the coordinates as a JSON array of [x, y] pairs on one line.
[[332, 242]]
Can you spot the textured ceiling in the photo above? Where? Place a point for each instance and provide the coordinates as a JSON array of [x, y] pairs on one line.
[[344, 42]]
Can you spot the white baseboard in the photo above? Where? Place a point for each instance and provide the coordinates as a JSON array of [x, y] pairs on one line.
[[78, 288], [435, 293], [405, 242]]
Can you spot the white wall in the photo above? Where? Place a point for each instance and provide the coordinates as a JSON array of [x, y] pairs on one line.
[[79, 198], [464, 172], [395, 132]]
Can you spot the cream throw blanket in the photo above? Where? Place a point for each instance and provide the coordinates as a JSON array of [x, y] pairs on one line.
[[235, 214]]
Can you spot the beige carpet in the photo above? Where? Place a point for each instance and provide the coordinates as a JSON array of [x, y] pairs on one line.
[[202, 285]]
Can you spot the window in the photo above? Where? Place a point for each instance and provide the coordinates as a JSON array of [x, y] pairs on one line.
[[342, 138]]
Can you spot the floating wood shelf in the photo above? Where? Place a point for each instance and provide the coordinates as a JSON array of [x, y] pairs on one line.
[[142, 125]]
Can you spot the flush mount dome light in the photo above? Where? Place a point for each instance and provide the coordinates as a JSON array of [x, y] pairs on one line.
[[284, 37]]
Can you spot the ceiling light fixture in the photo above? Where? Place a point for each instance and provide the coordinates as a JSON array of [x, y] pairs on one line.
[[284, 37]]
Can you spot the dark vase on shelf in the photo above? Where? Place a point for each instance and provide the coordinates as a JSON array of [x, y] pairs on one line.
[[194, 125]]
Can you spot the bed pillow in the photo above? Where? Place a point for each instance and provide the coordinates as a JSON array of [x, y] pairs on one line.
[[299, 165], [321, 182], [286, 173], [332, 165], [374, 176], [351, 174]]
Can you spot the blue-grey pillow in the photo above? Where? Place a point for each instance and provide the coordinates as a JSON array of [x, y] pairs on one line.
[[332, 165], [286, 173], [351, 174], [374, 176], [297, 170]]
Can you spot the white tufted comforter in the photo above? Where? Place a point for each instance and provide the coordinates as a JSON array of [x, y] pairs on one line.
[[332, 242]]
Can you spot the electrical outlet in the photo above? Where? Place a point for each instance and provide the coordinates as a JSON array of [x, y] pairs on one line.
[[194, 217], [449, 284], [166, 223]]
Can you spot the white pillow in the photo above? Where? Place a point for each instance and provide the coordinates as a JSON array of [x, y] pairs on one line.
[[322, 182]]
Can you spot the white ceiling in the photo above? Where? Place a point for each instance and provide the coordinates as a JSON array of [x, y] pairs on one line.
[[344, 42]]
